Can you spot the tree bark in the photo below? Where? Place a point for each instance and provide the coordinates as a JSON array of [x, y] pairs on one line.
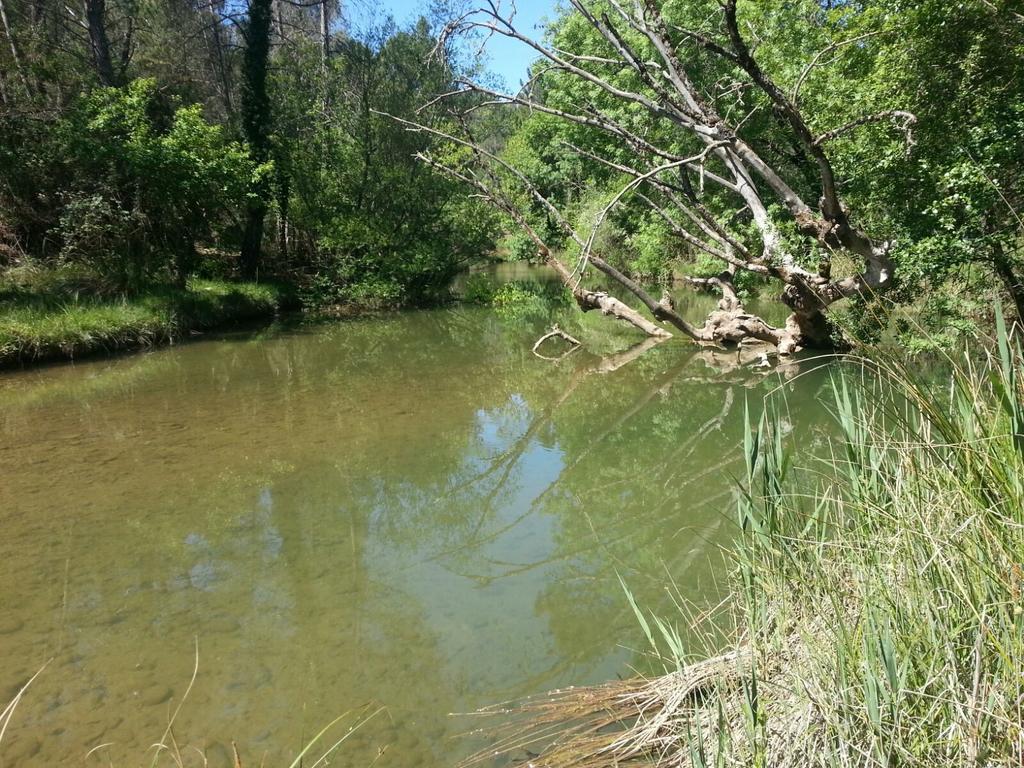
[[283, 200], [325, 53], [99, 43], [252, 240], [15, 52], [256, 126], [217, 43], [1012, 281], [325, 34], [277, 11], [606, 303]]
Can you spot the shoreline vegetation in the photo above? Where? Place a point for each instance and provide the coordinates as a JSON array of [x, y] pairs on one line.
[[62, 315], [876, 612], [43, 321]]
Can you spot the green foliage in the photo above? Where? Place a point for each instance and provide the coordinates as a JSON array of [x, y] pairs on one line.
[[911, 623], [138, 181], [747, 284], [527, 298], [215, 128], [386, 225], [652, 247], [98, 233], [516, 245], [949, 199], [479, 288], [876, 587]]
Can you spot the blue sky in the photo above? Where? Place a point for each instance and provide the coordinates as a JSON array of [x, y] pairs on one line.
[[507, 58]]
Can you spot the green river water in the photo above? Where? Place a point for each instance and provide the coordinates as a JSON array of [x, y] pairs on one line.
[[409, 511]]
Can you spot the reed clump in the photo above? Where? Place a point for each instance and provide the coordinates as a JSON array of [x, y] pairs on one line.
[[877, 597]]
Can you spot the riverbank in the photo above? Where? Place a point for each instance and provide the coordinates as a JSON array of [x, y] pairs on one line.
[[49, 315], [876, 596], [41, 323]]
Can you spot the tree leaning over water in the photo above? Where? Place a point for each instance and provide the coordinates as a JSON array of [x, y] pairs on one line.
[[756, 143], [697, 111]]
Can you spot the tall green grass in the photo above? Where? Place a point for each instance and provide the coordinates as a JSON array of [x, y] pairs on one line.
[[882, 605], [42, 325], [878, 603]]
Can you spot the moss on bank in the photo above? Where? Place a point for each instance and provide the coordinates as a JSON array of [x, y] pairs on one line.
[[39, 324]]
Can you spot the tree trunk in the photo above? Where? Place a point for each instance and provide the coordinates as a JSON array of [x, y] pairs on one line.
[[219, 64], [277, 12], [807, 324], [588, 300], [95, 15], [325, 34], [669, 89], [1012, 282], [185, 262], [256, 126], [15, 53], [283, 198], [252, 241]]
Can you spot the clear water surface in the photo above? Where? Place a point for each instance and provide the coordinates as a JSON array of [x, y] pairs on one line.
[[409, 511]]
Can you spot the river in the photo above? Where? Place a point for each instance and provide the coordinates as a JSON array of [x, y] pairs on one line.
[[409, 511]]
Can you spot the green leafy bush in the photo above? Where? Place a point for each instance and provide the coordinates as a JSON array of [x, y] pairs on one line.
[[527, 298], [479, 288], [133, 180]]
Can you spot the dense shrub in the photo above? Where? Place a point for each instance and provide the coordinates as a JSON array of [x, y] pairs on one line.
[[134, 181]]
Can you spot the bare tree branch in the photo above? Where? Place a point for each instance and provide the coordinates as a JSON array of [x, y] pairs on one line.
[[905, 121]]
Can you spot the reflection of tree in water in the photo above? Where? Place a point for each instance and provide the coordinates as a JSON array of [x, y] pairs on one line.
[[639, 485], [242, 531], [350, 636]]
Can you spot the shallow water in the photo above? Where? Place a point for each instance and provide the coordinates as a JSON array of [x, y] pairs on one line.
[[410, 512]]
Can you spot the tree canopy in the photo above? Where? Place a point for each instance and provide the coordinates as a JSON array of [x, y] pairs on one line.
[[846, 155], [149, 141]]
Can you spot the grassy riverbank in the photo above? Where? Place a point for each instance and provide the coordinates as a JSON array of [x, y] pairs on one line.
[[47, 319], [877, 601]]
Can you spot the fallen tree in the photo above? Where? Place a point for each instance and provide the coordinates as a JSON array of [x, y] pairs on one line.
[[658, 69]]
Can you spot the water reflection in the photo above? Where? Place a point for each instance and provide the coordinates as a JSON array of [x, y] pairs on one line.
[[412, 511]]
